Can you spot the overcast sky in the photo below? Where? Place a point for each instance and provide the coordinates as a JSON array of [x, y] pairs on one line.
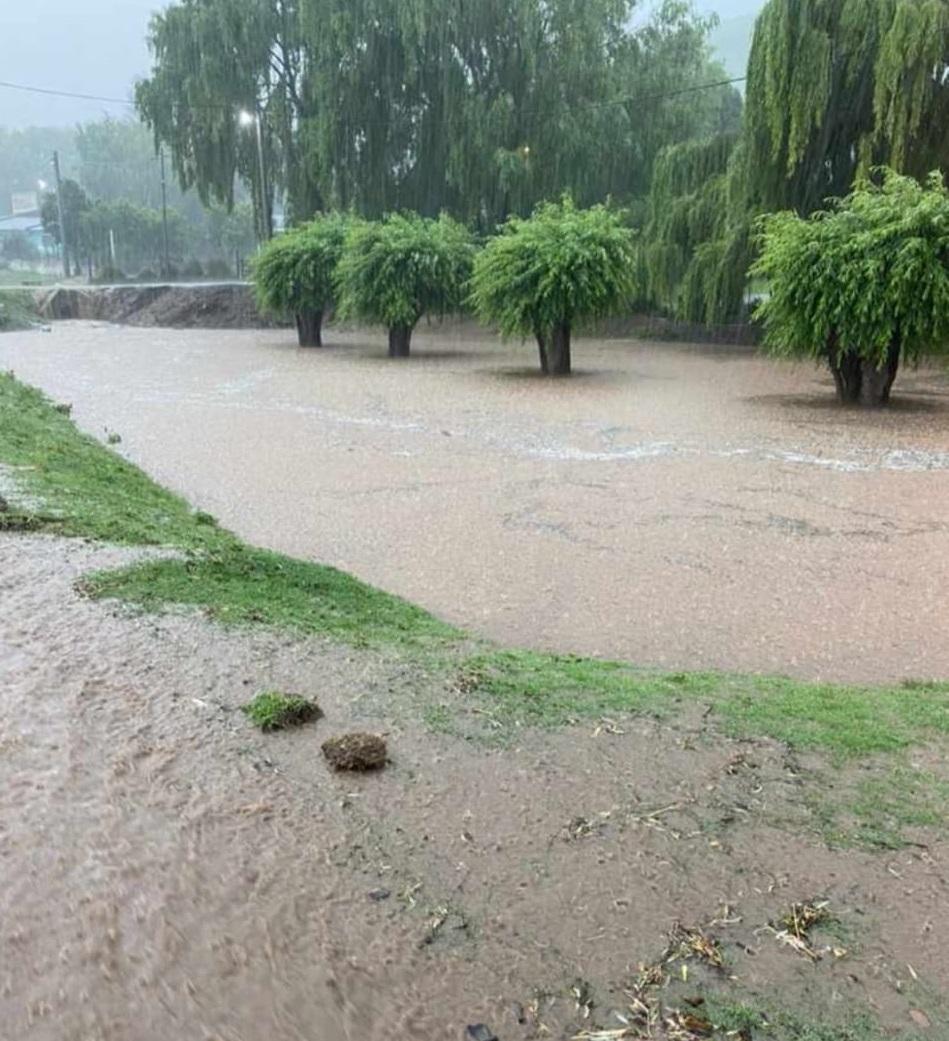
[[98, 47]]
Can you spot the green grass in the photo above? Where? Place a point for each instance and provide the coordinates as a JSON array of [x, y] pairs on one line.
[[529, 688], [244, 585], [731, 1017], [70, 484], [272, 710]]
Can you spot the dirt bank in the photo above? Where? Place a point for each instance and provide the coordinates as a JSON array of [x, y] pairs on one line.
[[166, 871], [198, 306], [677, 506]]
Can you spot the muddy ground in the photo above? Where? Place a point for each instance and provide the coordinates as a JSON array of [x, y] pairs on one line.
[[166, 871], [678, 506]]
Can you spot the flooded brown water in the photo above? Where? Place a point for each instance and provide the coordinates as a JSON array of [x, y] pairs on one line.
[[671, 505], [167, 872]]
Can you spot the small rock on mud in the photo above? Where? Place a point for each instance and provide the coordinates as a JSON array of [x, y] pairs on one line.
[[356, 752], [479, 1032]]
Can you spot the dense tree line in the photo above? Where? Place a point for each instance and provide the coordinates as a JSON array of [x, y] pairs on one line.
[[835, 88], [481, 110]]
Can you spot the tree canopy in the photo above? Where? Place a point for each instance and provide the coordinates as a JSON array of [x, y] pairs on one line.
[[480, 110], [835, 88], [562, 265], [294, 274], [863, 285], [396, 270]]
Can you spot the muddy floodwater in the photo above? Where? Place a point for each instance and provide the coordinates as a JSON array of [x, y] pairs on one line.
[[677, 506]]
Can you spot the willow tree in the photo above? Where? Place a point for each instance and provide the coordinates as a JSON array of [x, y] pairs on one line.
[[835, 87], [542, 276], [478, 109], [695, 243], [864, 285], [294, 274], [396, 270], [212, 61]]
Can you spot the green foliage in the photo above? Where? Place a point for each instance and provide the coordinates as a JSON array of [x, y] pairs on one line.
[[870, 272], [478, 110], [835, 88], [395, 270], [295, 271], [560, 266], [695, 244], [272, 710]]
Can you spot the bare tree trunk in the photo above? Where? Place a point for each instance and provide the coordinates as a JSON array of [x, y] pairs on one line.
[[558, 353], [400, 340], [310, 328]]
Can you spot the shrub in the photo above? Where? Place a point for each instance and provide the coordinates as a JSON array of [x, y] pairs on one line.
[[395, 271], [863, 285], [294, 274], [563, 265]]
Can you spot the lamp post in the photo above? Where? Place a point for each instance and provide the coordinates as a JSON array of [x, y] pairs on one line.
[[246, 119]]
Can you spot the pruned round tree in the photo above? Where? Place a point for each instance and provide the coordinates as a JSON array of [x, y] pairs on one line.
[[541, 276], [294, 273], [396, 270], [863, 285]]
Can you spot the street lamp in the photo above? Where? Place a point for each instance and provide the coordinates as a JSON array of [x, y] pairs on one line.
[[245, 118]]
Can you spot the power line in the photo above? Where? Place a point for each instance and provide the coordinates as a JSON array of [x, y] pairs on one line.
[[64, 93], [628, 100]]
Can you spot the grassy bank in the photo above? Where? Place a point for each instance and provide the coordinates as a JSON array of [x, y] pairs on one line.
[[70, 484]]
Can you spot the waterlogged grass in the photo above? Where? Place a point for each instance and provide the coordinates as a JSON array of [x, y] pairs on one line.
[[529, 688], [243, 585], [71, 484]]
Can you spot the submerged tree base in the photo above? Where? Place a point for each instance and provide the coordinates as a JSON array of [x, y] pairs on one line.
[[860, 381], [400, 341], [310, 328], [554, 350]]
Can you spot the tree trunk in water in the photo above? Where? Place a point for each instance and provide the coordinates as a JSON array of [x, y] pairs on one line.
[[310, 328], [558, 353], [861, 381], [877, 382], [542, 350], [400, 339]]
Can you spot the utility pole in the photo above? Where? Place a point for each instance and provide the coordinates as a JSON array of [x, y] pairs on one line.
[[264, 198], [59, 207], [166, 266]]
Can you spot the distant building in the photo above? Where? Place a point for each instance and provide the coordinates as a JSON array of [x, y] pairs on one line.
[[28, 226]]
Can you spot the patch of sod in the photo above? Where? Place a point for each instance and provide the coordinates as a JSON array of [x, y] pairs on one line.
[[271, 710], [245, 585]]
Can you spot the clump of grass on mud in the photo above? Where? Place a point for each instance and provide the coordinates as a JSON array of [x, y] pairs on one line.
[[272, 710]]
